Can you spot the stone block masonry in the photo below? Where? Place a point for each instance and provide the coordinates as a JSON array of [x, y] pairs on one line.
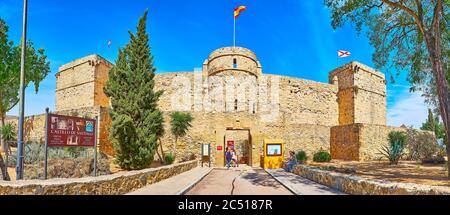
[[80, 83], [362, 142], [362, 94], [360, 186], [115, 184]]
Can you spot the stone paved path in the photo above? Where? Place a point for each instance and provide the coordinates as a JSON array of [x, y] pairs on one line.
[[174, 185], [239, 181], [236, 181], [300, 185]]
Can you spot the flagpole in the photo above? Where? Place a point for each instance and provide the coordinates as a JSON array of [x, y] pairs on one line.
[[234, 32]]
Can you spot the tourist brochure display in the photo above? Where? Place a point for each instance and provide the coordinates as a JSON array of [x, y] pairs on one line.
[[69, 131], [206, 153], [273, 153]]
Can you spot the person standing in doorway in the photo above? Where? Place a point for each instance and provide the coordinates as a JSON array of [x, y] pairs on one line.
[[234, 158], [228, 157]]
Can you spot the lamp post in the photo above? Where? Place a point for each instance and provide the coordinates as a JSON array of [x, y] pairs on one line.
[[20, 151]]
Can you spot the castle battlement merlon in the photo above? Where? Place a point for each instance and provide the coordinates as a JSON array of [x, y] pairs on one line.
[[93, 60], [356, 66]]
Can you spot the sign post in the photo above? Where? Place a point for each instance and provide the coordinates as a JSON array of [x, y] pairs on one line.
[[69, 131], [46, 143], [95, 146]]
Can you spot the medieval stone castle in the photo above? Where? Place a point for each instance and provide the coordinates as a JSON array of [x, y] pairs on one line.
[[346, 116]]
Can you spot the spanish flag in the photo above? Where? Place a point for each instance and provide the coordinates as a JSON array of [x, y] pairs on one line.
[[238, 10]]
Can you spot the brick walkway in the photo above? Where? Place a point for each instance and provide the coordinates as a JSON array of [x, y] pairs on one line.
[[300, 185], [175, 185]]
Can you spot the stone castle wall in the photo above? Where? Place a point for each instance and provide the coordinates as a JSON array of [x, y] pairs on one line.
[[362, 142], [346, 116], [301, 122]]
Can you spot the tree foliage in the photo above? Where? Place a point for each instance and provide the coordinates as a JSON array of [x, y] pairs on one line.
[[36, 69], [433, 124], [136, 120], [180, 124]]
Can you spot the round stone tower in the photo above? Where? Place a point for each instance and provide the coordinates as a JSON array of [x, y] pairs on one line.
[[232, 61], [232, 74]]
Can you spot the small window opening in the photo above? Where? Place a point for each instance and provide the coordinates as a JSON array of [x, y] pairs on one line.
[[235, 104], [234, 63]]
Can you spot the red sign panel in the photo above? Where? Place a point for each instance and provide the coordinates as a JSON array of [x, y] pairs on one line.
[[70, 131], [219, 148]]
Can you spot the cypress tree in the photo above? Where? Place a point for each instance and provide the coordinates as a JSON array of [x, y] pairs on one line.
[[430, 124], [136, 119]]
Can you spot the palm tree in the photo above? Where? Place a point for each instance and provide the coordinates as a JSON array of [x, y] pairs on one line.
[[8, 133], [180, 123]]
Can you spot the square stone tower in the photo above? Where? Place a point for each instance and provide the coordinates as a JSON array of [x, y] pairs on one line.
[[79, 84], [361, 95], [362, 112]]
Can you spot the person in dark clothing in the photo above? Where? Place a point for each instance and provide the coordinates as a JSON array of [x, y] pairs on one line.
[[228, 156]]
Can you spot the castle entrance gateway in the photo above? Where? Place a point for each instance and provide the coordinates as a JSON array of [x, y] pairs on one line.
[[239, 139]]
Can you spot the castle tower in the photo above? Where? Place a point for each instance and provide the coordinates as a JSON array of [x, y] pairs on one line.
[[232, 60], [361, 95], [79, 84], [362, 112], [233, 73]]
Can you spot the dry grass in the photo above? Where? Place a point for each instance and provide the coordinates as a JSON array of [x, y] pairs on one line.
[[405, 171]]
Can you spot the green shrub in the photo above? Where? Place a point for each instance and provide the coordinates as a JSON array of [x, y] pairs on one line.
[[394, 151], [75, 151], [169, 158], [301, 156], [420, 146], [322, 156], [437, 158]]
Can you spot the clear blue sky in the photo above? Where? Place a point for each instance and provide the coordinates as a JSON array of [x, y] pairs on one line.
[[290, 37]]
